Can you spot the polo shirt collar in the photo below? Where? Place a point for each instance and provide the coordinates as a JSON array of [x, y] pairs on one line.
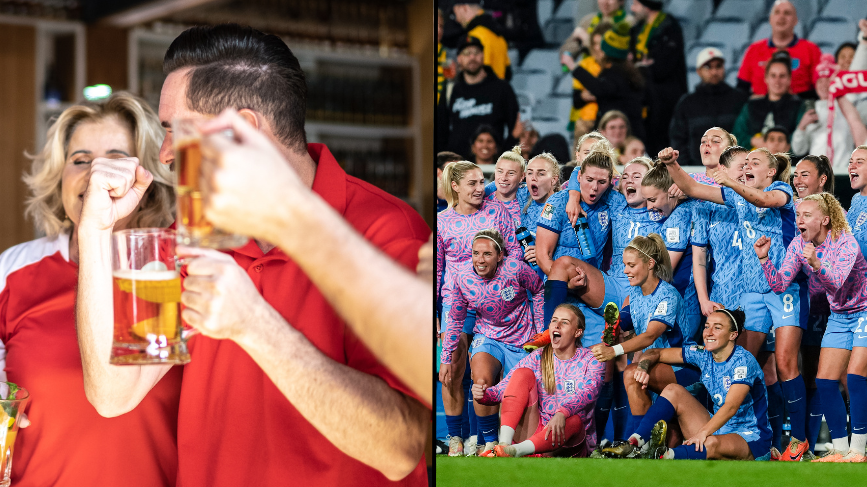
[[791, 44], [329, 183]]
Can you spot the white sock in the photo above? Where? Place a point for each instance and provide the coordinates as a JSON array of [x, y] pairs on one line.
[[525, 447], [668, 455], [859, 442], [506, 435], [640, 440], [840, 444]]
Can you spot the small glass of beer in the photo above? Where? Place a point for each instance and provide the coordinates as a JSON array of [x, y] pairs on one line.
[[147, 298], [13, 400], [193, 228]]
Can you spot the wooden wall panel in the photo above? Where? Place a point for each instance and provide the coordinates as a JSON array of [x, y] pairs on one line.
[[17, 122], [421, 45], [107, 57]]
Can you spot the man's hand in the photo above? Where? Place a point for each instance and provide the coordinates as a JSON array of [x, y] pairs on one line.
[[220, 299], [567, 60], [248, 186], [114, 190]]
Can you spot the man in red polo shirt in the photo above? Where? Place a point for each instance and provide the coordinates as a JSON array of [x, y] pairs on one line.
[[805, 55], [297, 396]]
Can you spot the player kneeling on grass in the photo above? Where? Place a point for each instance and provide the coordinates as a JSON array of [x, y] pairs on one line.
[[739, 428], [555, 388]]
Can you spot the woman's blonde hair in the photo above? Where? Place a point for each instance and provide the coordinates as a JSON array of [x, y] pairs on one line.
[[730, 138], [589, 135], [657, 177], [653, 247], [614, 115], [601, 156], [830, 207], [553, 167], [494, 236], [454, 172], [546, 361], [45, 204], [779, 161], [514, 155]]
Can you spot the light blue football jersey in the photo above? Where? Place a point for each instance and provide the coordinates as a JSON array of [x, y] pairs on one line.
[[676, 232], [740, 368], [554, 218], [716, 227], [665, 305], [857, 218], [778, 224], [626, 224]]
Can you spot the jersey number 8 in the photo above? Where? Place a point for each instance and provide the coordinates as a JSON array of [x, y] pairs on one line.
[[751, 234], [788, 304]]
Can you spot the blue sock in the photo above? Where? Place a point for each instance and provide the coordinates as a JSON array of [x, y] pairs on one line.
[[555, 293], [858, 403], [796, 403], [603, 407], [453, 423], [636, 422], [833, 407], [814, 422], [489, 427], [687, 452], [620, 410], [468, 424], [661, 409], [775, 413]]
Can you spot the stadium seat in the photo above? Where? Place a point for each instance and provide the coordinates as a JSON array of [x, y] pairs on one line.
[[763, 31], [553, 108], [692, 79], [566, 10], [853, 9], [564, 86], [807, 10], [833, 30], [732, 77], [731, 32], [514, 56], [549, 126], [556, 31], [749, 10], [544, 10], [692, 53], [697, 11], [542, 60], [526, 100], [538, 83]]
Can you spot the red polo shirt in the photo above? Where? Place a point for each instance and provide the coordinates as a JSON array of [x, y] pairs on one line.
[[235, 427], [805, 56]]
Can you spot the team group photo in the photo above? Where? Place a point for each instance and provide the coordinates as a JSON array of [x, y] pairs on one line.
[[650, 226]]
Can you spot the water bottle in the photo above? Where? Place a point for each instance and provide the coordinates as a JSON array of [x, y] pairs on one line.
[[582, 233], [526, 239]]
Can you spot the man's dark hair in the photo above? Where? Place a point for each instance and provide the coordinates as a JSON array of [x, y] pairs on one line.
[[778, 129], [241, 67], [446, 157]]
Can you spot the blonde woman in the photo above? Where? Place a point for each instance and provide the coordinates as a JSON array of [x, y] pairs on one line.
[[467, 214], [557, 384], [507, 187], [37, 308]]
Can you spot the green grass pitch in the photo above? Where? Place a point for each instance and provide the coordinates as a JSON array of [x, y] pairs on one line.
[[550, 472]]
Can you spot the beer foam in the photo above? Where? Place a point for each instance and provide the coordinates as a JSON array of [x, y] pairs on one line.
[[146, 275]]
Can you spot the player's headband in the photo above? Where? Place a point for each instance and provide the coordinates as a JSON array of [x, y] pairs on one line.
[[734, 321], [489, 238], [630, 246]]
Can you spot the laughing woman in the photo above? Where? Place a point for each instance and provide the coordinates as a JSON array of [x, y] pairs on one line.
[[557, 384]]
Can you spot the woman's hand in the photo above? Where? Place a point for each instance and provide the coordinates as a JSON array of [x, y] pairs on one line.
[[697, 440], [668, 156], [587, 96], [722, 177], [573, 208], [762, 247], [579, 281], [530, 254], [708, 307], [602, 352], [478, 390], [642, 376], [809, 254], [446, 375], [675, 193], [557, 428], [810, 116]]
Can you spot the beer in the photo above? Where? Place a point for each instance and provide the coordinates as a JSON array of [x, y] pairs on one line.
[[193, 228], [147, 325], [11, 409]]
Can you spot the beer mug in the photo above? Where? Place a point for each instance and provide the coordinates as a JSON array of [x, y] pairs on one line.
[[147, 298], [13, 401], [193, 228]]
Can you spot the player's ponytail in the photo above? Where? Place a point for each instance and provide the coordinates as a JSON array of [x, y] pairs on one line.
[[779, 161], [454, 172], [652, 247], [830, 207], [729, 154], [658, 177], [546, 361], [514, 155]]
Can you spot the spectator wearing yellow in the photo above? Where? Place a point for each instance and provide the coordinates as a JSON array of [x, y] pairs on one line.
[[478, 24], [582, 117]]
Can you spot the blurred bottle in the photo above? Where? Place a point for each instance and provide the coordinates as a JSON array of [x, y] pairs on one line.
[[582, 232]]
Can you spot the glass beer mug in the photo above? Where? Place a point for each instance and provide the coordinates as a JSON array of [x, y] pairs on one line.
[[193, 228], [147, 298]]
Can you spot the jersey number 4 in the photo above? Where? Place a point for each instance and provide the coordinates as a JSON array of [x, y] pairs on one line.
[[736, 241]]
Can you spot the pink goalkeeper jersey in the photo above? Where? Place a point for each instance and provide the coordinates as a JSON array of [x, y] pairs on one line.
[[579, 380], [703, 178], [503, 310], [843, 275], [455, 234]]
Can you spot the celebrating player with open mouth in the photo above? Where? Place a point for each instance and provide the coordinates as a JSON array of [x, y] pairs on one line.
[[557, 384]]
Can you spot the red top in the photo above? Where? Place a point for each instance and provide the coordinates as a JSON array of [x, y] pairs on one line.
[[235, 427], [68, 443], [805, 56]]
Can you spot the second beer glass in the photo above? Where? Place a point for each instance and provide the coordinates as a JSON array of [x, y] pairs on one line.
[[193, 228]]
